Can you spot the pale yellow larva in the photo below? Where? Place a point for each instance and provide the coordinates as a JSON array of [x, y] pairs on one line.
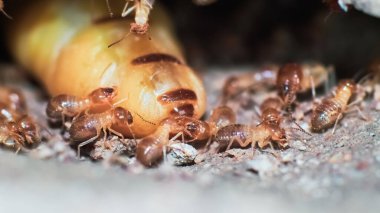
[[65, 45]]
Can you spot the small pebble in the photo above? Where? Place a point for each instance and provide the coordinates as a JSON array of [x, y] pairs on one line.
[[181, 154], [263, 164]]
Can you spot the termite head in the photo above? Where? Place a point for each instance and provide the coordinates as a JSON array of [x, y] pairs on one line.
[[347, 85], [197, 130], [289, 79], [103, 95], [28, 128], [191, 127], [278, 135], [149, 151], [122, 116]]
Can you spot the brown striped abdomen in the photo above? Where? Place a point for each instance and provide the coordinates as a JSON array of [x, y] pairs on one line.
[[230, 132], [325, 115]]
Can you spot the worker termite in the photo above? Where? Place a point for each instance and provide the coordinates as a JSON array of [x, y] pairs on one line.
[[152, 149], [289, 79], [75, 59], [19, 135], [330, 110], [2, 9], [87, 128], [69, 106], [261, 135]]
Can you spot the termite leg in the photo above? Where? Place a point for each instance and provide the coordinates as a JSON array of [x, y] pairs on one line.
[[127, 11], [116, 133], [336, 123], [241, 143], [86, 142], [253, 145], [299, 126], [313, 92], [177, 136], [359, 111], [361, 114]]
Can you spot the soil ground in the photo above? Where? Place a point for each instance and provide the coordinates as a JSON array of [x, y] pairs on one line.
[[326, 173]]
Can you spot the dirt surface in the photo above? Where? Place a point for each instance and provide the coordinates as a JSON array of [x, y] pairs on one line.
[[319, 173]]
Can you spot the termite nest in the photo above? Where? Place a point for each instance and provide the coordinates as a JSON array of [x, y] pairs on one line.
[[137, 87]]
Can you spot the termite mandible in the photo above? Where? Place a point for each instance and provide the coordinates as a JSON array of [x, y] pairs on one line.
[[65, 44]]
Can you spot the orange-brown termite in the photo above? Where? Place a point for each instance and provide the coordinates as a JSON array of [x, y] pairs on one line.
[[20, 134], [88, 127], [3, 11], [151, 149], [151, 74], [289, 79], [69, 106], [261, 135], [330, 110]]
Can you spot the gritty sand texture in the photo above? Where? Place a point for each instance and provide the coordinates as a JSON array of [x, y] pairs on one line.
[[327, 173]]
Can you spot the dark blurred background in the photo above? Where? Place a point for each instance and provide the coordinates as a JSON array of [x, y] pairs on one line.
[[244, 32]]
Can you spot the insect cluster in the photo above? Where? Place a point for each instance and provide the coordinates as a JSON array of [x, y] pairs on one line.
[[141, 88]]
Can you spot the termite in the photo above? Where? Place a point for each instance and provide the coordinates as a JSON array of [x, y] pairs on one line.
[[75, 59], [65, 106], [289, 79], [151, 149], [261, 135], [21, 134], [330, 110], [88, 127], [3, 11]]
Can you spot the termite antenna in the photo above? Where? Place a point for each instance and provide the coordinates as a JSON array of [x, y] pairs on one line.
[[118, 41], [149, 122], [119, 102], [299, 126]]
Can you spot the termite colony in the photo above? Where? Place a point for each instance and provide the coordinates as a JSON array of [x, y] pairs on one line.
[[150, 98]]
